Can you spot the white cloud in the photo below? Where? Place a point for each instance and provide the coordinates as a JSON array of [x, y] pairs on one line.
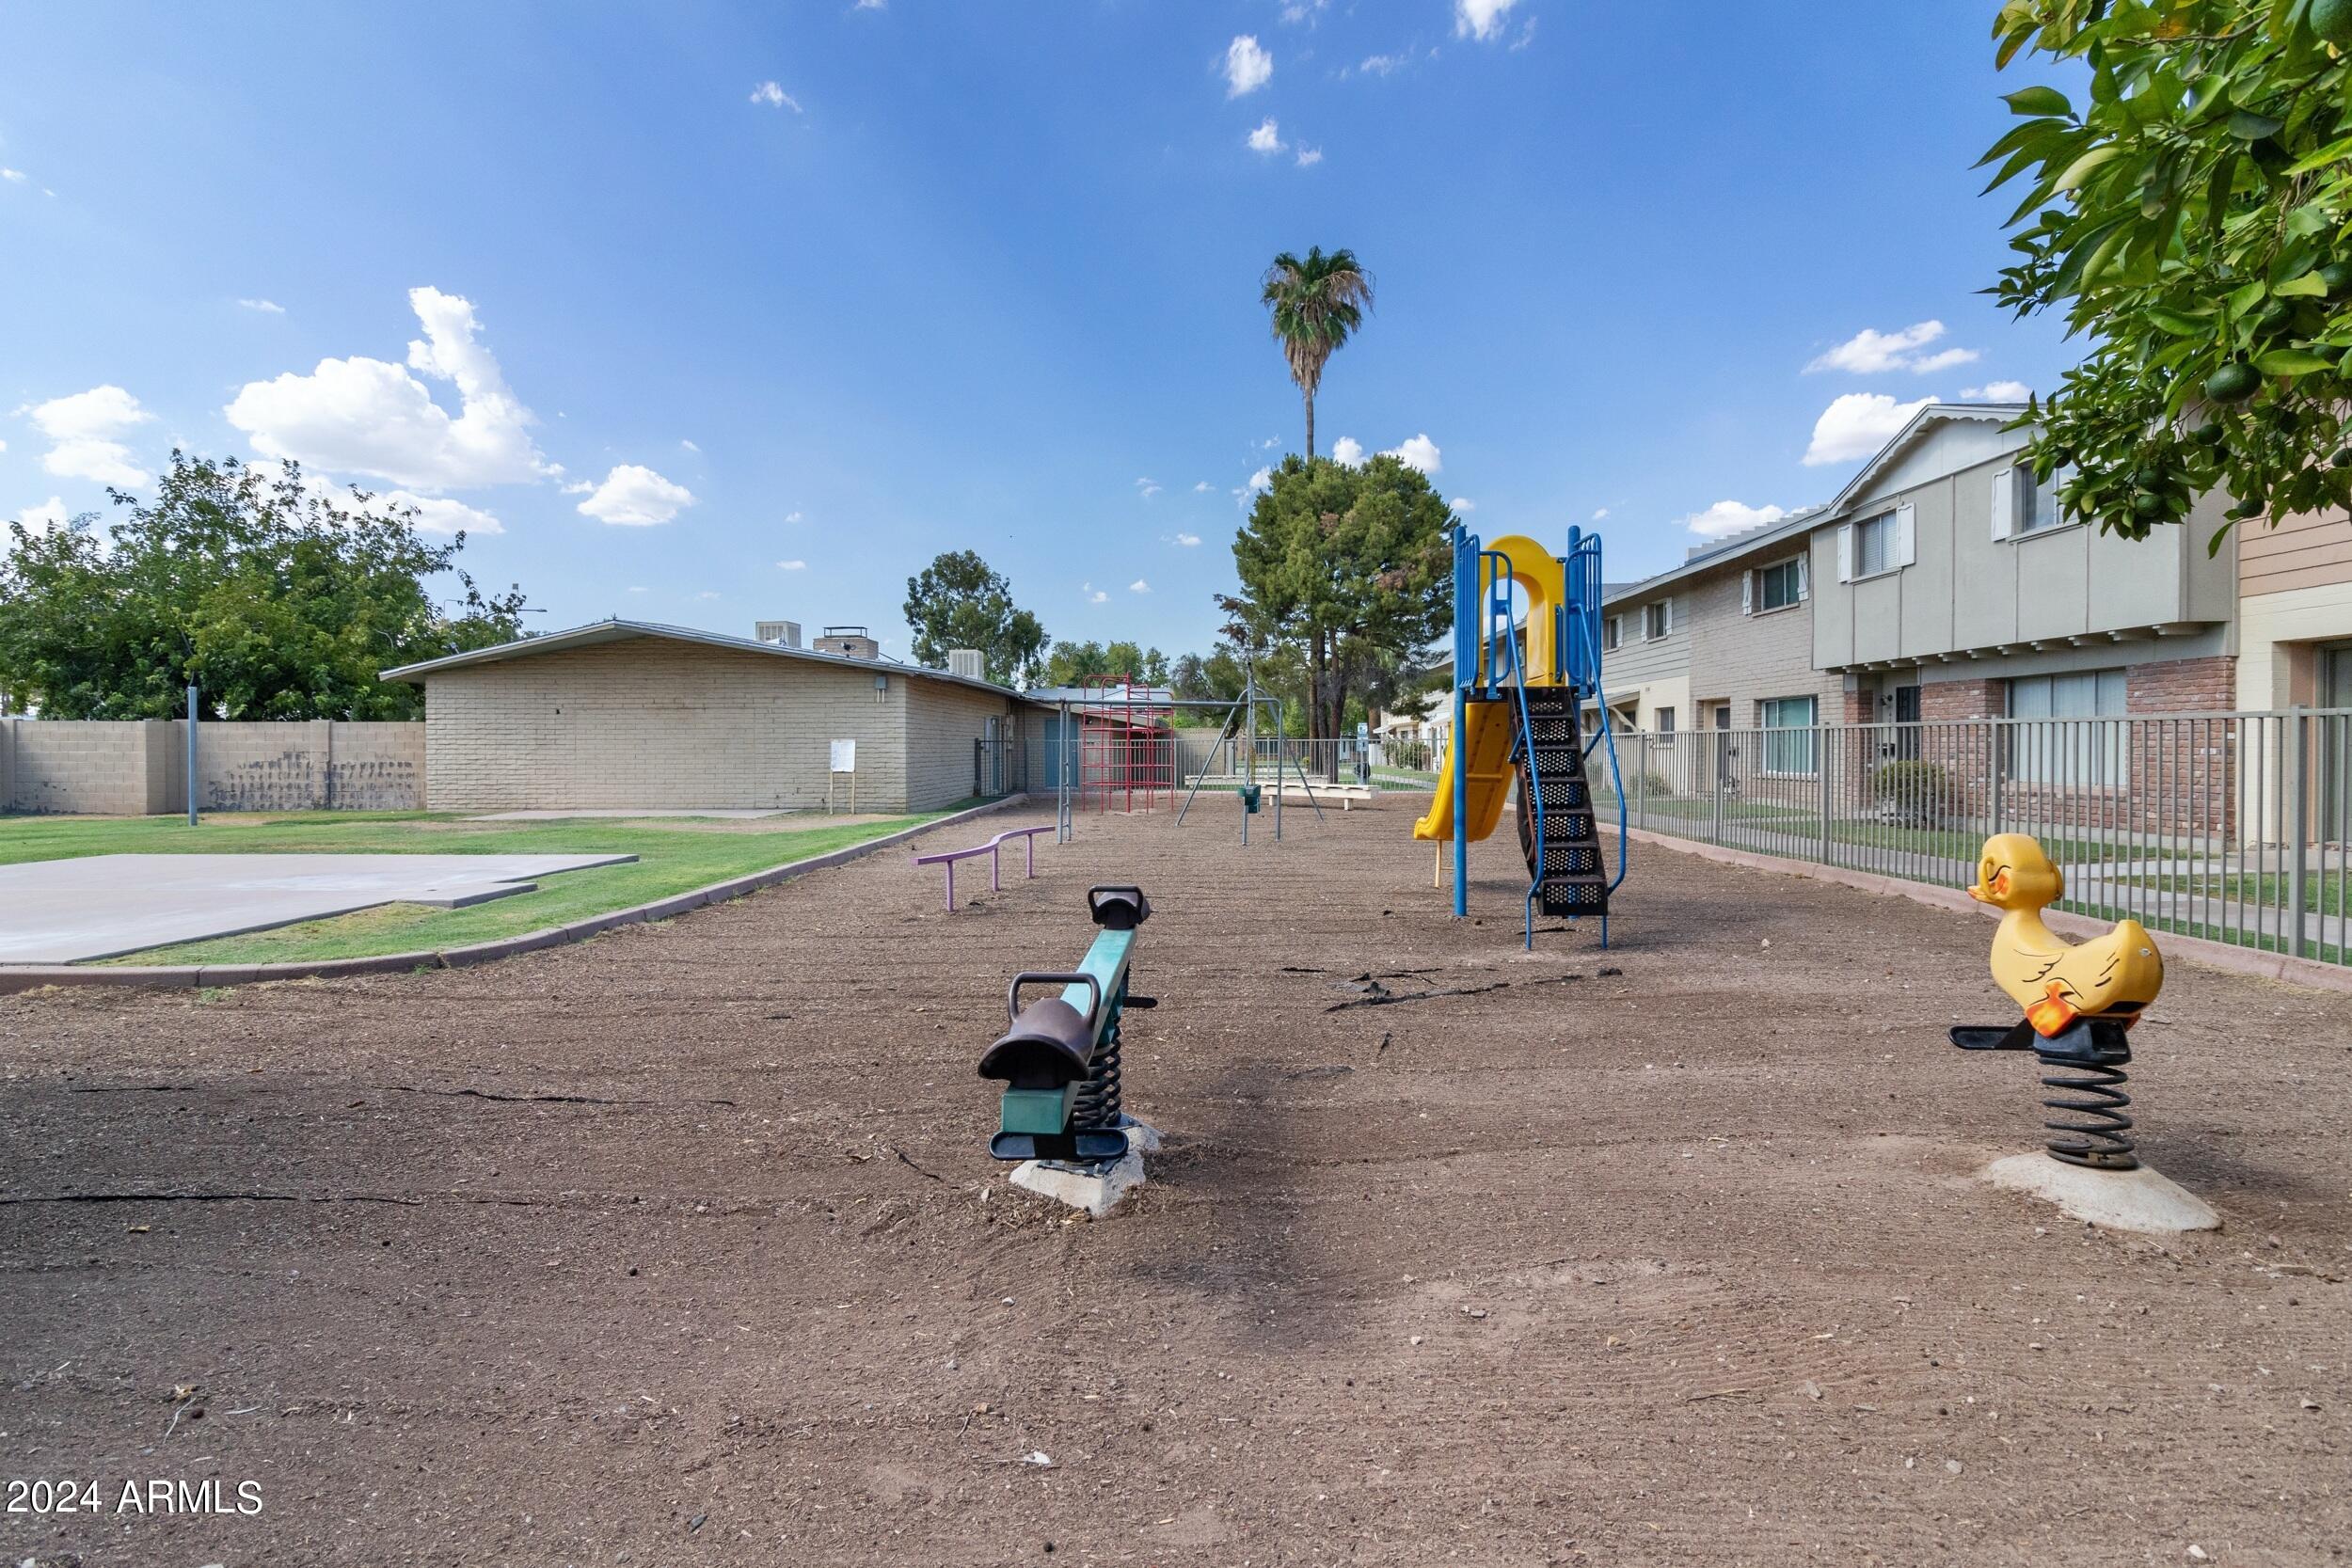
[[1481, 19], [440, 515], [1189, 540], [1310, 156], [1600, 513], [1247, 67], [870, 5], [580, 489], [689, 445], [38, 520], [1265, 138], [84, 432], [633, 496], [1302, 10], [793, 566], [1261, 479], [791, 516], [13, 175], [1725, 518], [1857, 424], [1138, 586], [266, 307], [1348, 451], [369, 417], [1527, 36], [707, 594], [1463, 503], [1094, 594], [1870, 352], [1997, 391], [1419, 453], [1147, 488], [636, 588], [1202, 488], [1380, 65], [774, 97]]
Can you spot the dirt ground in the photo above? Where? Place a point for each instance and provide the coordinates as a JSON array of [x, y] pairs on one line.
[[683, 1245]]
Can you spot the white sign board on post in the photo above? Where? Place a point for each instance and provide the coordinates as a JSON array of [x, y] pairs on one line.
[[844, 760]]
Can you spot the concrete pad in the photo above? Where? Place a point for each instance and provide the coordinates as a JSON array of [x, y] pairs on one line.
[[2141, 1201], [737, 813], [73, 911], [1096, 1188]]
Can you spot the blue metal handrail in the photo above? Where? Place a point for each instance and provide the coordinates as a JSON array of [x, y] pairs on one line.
[[1499, 576], [1584, 651]]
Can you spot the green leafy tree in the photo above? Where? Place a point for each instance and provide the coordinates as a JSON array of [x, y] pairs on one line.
[[958, 602], [1315, 305], [2192, 218], [1076, 663], [277, 600], [1348, 569]]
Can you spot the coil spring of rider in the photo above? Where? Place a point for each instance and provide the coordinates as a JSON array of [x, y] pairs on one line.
[[2100, 1138], [1097, 1108]]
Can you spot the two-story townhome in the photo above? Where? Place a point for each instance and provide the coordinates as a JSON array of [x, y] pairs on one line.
[[1723, 640], [1948, 586], [2295, 613]]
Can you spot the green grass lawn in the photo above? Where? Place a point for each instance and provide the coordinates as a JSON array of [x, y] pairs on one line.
[[673, 855]]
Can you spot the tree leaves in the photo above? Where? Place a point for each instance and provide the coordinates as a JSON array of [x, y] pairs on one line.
[[959, 602], [2186, 223]]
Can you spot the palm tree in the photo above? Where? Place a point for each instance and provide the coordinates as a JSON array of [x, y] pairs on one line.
[[1315, 305]]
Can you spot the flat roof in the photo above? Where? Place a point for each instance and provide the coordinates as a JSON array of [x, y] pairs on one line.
[[616, 630]]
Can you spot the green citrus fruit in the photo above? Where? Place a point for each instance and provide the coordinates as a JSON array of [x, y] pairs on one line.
[[2332, 20], [2234, 382]]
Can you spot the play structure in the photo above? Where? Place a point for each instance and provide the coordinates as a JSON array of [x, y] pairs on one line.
[[1112, 709], [1526, 659], [2079, 1001], [947, 858], [1061, 1112]]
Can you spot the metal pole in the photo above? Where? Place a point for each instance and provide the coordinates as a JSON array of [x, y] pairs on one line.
[[1249, 743], [2298, 831], [192, 753], [1461, 803]]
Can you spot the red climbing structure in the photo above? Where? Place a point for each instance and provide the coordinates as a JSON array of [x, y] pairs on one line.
[[1126, 745]]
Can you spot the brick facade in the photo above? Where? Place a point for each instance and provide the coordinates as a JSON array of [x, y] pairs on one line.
[[2181, 685], [1986, 699]]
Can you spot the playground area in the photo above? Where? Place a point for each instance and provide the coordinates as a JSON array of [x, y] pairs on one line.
[[684, 1244]]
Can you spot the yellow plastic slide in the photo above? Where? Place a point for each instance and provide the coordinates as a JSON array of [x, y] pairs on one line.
[[1485, 745]]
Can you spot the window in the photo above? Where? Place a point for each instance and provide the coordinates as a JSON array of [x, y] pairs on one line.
[[1663, 722], [1778, 587], [1788, 724], [1656, 620], [2038, 501], [1874, 546], [2065, 741], [1612, 633]]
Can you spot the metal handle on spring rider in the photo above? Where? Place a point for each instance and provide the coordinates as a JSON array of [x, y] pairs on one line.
[[1012, 992]]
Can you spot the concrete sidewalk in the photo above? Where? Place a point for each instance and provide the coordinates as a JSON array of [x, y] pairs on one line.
[[101, 906]]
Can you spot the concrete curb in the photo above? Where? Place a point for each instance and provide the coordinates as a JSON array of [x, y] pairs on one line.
[[23, 977], [2196, 950]]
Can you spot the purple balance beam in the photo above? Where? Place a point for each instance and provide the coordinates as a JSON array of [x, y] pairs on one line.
[[995, 880]]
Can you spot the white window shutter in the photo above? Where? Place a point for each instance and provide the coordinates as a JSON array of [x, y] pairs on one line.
[[1906, 536], [1804, 576], [1666, 617], [1747, 592], [1643, 618], [1845, 553], [2004, 502]]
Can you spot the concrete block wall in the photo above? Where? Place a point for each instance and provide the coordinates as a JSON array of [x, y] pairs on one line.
[[138, 767], [650, 724]]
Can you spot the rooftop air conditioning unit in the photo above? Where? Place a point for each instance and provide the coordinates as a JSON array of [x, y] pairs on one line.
[[783, 634], [968, 662]]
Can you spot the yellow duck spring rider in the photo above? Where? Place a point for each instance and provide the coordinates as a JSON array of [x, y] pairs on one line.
[[2079, 999]]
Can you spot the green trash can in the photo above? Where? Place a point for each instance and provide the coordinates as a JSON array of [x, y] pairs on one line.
[[1249, 794]]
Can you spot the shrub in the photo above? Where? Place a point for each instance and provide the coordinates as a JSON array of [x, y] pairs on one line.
[[1920, 794]]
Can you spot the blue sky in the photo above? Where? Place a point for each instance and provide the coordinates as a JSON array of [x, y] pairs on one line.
[[869, 281]]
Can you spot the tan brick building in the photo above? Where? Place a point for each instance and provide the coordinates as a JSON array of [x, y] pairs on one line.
[[625, 715]]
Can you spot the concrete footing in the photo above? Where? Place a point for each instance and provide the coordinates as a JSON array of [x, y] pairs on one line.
[[2143, 1200], [1095, 1188]]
